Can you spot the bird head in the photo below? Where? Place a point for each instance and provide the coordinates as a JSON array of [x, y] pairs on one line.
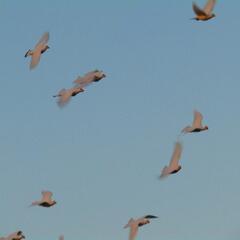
[[206, 128]]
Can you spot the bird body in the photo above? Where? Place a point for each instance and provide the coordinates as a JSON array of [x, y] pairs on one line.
[[46, 200], [39, 49], [134, 224], [196, 125], [173, 166], [14, 236], [90, 77], [205, 13], [65, 95]]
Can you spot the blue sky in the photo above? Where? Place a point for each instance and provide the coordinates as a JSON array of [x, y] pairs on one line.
[[101, 155]]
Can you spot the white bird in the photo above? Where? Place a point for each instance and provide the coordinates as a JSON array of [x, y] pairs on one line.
[[14, 236], [46, 200], [90, 77], [196, 125], [134, 224], [173, 166], [205, 13], [64, 95], [40, 48]]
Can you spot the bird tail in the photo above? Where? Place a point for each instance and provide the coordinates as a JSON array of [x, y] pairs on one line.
[[164, 173], [34, 204]]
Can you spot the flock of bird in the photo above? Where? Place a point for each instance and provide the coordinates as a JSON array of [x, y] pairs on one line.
[[64, 96]]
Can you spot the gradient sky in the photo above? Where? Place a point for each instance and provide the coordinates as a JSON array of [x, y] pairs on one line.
[[101, 155]]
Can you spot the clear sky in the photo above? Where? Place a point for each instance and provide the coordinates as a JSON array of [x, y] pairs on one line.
[[101, 155]]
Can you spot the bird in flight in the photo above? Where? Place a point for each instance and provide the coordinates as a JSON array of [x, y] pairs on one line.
[[173, 166], [46, 200], [90, 77], [205, 13], [39, 49], [14, 236], [64, 95], [196, 125], [134, 224]]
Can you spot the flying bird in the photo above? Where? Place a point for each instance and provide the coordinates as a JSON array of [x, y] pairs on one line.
[[205, 13], [39, 49], [173, 166], [46, 200], [90, 77], [64, 95], [134, 224], [196, 125], [14, 236]]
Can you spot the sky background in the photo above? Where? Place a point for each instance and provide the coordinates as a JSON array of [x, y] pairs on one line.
[[102, 154]]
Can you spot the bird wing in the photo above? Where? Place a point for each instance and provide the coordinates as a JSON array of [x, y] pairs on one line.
[[133, 231], [13, 236], [46, 196], [64, 97], [87, 79], [197, 120], [198, 11], [35, 59], [187, 129], [131, 220], [43, 40], [150, 216], [209, 6], [176, 156], [78, 79]]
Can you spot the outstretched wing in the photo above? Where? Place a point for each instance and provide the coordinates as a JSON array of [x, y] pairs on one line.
[[209, 6], [64, 97], [198, 11], [176, 156], [87, 79], [46, 195], [43, 40], [197, 120], [133, 231], [150, 216], [35, 59]]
